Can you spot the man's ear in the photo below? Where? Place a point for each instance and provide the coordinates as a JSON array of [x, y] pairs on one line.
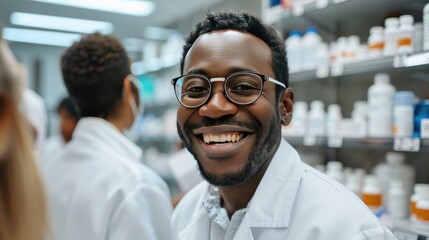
[[286, 106]]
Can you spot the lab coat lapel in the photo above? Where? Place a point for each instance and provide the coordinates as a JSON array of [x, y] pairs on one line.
[[244, 231], [272, 204], [200, 221]]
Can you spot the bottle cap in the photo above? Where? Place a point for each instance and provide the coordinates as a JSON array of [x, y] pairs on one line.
[[295, 33], [404, 98], [421, 188], [381, 78], [316, 104], [376, 30], [334, 108], [334, 165], [391, 22], [395, 158], [406, 19]]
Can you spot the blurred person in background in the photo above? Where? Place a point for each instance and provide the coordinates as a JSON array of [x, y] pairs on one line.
[[22, 200], [97, 186], [68, 118]]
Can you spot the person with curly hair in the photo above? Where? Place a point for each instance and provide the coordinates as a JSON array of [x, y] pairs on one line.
[[234, 97], [97, 186], [23, 213]]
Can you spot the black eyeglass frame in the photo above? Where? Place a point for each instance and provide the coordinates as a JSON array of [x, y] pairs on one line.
[[264, 78]]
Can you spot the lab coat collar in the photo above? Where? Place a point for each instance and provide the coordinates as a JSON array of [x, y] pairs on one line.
[[279, 183], [97, 130]]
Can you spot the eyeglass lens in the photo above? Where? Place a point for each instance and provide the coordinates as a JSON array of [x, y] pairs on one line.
[[242, 88]]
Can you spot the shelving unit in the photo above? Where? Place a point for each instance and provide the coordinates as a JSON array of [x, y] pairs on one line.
[[348, 82], [406, 63], [386, 144]]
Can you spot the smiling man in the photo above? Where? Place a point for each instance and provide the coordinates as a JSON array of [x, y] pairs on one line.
[[234, 97]]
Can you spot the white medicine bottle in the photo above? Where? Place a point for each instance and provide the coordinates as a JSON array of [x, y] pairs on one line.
[[426, 27], [403, 114], [397, 200], [333, 121], [391, 36], [316, 119], [334, 169], [380, 103], [405, 34], [375, 42], [371, 193], [419, 189], [294, 51], [310, 45]]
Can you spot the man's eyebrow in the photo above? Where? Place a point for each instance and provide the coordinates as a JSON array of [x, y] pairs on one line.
[[230, 70]]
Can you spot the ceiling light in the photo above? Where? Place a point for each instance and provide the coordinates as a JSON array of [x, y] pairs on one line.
[[60, 23], [129, 7], [40, 37]]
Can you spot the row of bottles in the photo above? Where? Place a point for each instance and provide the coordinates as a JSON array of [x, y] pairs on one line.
[[389, 191], [387, 113], [308, 51]]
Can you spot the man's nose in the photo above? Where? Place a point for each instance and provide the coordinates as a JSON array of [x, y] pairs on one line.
[[218, 105]]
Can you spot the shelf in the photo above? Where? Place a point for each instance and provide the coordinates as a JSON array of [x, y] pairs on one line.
[[328, 12], [410, 61], [386, 144], [406, 230]]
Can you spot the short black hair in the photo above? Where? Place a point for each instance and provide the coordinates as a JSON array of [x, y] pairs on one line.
[[69, 105], [245, 22], [93, 70]]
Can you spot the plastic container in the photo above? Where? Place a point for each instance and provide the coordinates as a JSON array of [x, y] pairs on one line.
[[354, 184], [426, 27], [298, 125], [371, 193], [294, 51], [422, 212], [403, 114], [395, 169], [375, 42], [316, 119], [418, 37], [352, 48], [397, 200], [406, 33], [421, 112], [419, 189], [310, 44], [334, 169], [322, 55], [333, 121], [380, 102], [391, 34]]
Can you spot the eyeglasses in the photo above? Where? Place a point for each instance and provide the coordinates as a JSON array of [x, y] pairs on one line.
[[242, 88]]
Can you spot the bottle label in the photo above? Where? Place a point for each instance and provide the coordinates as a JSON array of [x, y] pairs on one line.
[[422, 214], [402, 42], [376, 46], [372, 200]]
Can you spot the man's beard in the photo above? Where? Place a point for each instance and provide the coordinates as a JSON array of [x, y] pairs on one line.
[[263, 151]]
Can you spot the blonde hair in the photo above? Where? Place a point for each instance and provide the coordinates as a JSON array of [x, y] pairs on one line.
[[22, 200]]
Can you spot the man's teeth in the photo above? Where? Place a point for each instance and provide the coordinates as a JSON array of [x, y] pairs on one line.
[[220, 138]]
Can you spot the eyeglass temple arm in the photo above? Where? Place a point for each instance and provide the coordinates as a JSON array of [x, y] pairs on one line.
[[275, 81]]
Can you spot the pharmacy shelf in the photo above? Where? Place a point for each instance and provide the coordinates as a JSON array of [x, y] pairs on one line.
[[406, 62], [384, 144], [404, 229], [329, 12]]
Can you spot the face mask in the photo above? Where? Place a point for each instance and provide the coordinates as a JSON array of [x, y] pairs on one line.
[[137, 110]]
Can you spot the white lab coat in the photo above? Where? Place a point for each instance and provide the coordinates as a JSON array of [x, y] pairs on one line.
[[293, 201], [98, 189]]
